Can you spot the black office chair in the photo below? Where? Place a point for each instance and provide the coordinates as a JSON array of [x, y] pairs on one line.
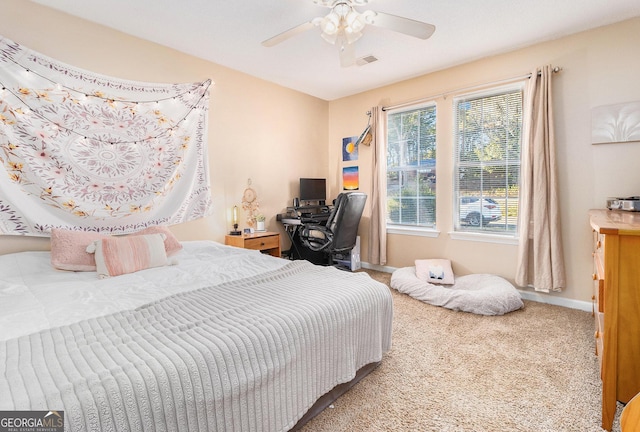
[[338, 236]]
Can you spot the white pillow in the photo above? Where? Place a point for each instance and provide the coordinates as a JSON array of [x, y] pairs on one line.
[[435, 271], [121, 255]]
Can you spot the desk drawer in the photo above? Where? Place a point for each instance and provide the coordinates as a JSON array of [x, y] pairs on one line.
[[262, 243]]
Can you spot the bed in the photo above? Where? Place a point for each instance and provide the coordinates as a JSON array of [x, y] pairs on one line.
[[225, 340]]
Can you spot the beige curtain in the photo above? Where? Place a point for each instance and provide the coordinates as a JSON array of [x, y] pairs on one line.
[[540, 256], [378, 225]]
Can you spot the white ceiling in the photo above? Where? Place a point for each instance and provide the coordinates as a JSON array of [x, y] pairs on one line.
[[230, 32]]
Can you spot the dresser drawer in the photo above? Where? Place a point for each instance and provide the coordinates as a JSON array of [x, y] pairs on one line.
[[598, 242], [261, 243], [600, 339], [598, 283]]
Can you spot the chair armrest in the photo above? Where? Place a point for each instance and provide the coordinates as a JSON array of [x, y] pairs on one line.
[[313, 242]]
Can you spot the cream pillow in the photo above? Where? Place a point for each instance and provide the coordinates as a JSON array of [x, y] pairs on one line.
[[171, 243], [121, 255], [435, 271]]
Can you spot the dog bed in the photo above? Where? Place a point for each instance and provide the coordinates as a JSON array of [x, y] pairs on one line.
[[482, 294]]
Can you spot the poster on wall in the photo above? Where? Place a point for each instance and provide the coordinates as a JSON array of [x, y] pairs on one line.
[[349, 149], [350, 179]]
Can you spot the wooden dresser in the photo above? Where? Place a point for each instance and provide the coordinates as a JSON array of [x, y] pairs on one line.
[[616, 255]]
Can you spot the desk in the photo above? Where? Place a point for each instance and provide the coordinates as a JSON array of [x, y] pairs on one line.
[[297, 251], [268, 242]]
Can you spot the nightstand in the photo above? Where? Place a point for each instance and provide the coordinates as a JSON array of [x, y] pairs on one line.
[[268, 242]]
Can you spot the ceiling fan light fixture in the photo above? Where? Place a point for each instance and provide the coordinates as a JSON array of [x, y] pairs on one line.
[[330, 24], [342, 9], [331, 38], [355, 22], [343, 26], [351, 37], [368, 17], [331, 3]]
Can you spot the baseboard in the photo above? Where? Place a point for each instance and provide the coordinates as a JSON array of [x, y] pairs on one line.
[[557, 301], [525, 294], [385, 269]]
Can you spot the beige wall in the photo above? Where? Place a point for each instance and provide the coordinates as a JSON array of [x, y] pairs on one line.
[[256, 129], [274, 135], [600, 67]]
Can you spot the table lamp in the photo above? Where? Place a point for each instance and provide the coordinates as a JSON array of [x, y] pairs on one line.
[[235, 231]]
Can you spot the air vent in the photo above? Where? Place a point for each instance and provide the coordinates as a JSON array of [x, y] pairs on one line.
[[366, 60]]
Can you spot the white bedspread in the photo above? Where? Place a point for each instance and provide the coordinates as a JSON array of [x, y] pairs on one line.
[[228, 340], [35, 296]]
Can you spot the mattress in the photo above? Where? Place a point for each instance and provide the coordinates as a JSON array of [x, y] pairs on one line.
[[36, 296], [228, 339]]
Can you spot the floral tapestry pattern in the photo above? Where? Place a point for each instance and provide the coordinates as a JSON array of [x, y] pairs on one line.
[[89, 152]]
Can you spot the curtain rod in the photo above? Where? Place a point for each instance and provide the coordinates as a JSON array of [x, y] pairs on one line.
[[464, 89]]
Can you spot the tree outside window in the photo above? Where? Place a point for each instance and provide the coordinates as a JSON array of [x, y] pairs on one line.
[[487, 161], [411, 166]]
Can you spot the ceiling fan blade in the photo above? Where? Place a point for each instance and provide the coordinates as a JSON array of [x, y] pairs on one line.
[[400, 24], [288, 34], [347, 55]]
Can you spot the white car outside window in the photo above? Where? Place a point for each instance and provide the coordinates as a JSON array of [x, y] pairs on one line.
[[479, 212]]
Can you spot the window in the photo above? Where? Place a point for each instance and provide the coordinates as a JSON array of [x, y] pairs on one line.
[[487, 161], [411, 166]]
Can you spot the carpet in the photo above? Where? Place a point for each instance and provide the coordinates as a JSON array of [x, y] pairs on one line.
[[534, 369]]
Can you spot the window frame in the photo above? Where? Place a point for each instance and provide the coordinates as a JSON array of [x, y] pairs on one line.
[[407, 229], [482, 234]]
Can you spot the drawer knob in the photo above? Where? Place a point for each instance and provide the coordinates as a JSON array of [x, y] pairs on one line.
[[594, 276], [597, 335], [599, 244]]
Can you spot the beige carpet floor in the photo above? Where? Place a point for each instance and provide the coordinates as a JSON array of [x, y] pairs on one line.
[[530, 370]]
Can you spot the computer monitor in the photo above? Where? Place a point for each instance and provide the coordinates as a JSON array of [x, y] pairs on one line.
[[313, 189]]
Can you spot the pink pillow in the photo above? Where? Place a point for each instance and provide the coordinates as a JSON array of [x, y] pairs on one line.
[[171, 243], [435, 271], [68, 249], [121, 255]]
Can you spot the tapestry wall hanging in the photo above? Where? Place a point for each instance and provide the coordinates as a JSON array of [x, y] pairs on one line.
[[88, 152]]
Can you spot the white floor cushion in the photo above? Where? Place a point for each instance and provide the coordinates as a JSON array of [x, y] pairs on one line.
[[482, 294]]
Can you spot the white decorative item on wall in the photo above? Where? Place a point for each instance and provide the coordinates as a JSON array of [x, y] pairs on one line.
[[615, 123], [250, 204], [85, 151]]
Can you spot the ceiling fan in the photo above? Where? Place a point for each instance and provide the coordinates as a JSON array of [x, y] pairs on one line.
[[343, 25]]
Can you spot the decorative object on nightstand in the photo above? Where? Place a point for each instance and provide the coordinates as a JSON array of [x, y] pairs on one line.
[[266, 242], [260, 223], [236, 231]]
